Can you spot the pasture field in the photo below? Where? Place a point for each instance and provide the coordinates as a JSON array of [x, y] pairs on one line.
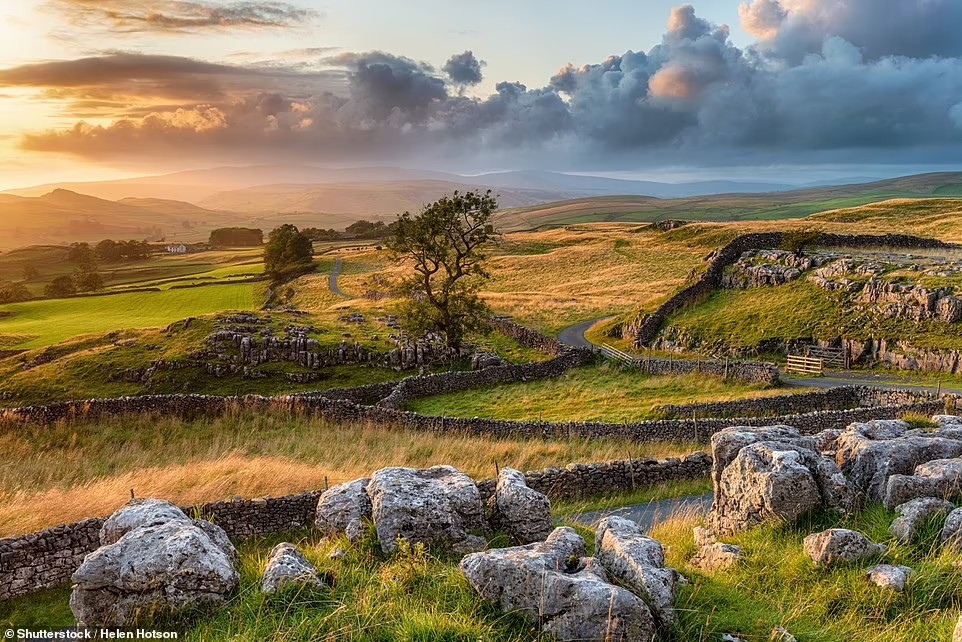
[[51, 475], [419, 594], [50, 261], [52, 321], [598, 393]]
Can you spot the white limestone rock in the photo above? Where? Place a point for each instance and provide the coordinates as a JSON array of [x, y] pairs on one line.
[[439, 506], [165, 568], [139, 513], [345, 508], [889, 577], [840, 546], [552, 584], [638, 562], [912, 514], [952, 529], [522, 512], [771, 474], [940, 478], [287, 566]]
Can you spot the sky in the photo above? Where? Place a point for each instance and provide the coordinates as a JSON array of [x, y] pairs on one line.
[[94, 89]]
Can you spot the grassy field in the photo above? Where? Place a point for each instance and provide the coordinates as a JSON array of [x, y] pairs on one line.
[[50, 475], [420, 594], [598, 393], [49, 322], [797, 310], [161, 270], [779, 586]]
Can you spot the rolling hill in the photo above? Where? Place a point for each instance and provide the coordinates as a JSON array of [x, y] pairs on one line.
[[350, 201], [731, 207], [197, 185], [63, 216]]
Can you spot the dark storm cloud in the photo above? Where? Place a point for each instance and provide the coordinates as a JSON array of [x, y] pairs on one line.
[[879, 28], [850, 86], [464, 69], [179, 16]]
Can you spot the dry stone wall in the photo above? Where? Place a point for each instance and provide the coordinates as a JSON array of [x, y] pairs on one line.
[[645, 330], [38, 561], [747, 371]]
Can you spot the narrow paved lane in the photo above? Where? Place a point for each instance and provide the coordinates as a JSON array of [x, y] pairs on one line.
[[332, 280], [575, 335]]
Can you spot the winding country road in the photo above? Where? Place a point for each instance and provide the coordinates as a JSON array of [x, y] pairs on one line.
[[332, 280], [575, 335]]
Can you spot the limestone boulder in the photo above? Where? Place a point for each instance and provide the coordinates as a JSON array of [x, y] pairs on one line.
[[345, 508], [840, 546], [937, 478], [522, 512], [439, 506], [870, 453], [771, 474], [139, 513], [287, 566], [164, 568], [889, 577], [553, 585], [638, 562], [952, 529], [911, 515]]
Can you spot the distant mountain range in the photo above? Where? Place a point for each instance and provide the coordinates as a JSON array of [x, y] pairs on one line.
[[199, 186], [187, 205]]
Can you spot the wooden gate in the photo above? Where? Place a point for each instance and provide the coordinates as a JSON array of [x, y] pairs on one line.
[[811, 366]]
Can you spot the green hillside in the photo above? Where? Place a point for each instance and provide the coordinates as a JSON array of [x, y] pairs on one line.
[[730, 207]]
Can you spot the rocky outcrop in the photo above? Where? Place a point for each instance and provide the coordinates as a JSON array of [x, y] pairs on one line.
[[345, 508], [638, 562], [771, 474], [556, 587], [764, 268], [911, 515], [438, 506], [889, 577], [522, 512], [168, 567], [287, 566], [938, 478], [840, 546], [870, 453], [895, 300]]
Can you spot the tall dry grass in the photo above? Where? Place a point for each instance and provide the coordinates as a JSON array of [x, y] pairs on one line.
[[52, 475]]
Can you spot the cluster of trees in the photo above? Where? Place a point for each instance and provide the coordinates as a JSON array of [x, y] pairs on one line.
[[236, 237], [112, 251], [360, 230], [288, 252], [14, 292]]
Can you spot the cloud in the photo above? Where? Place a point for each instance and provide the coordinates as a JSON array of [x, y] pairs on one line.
[[121, 80], [179, 16], [791, 29], [464, 69], [812, 87]]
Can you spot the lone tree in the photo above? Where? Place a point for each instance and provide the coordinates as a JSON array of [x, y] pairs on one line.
[[447, 243], [287, 252]]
